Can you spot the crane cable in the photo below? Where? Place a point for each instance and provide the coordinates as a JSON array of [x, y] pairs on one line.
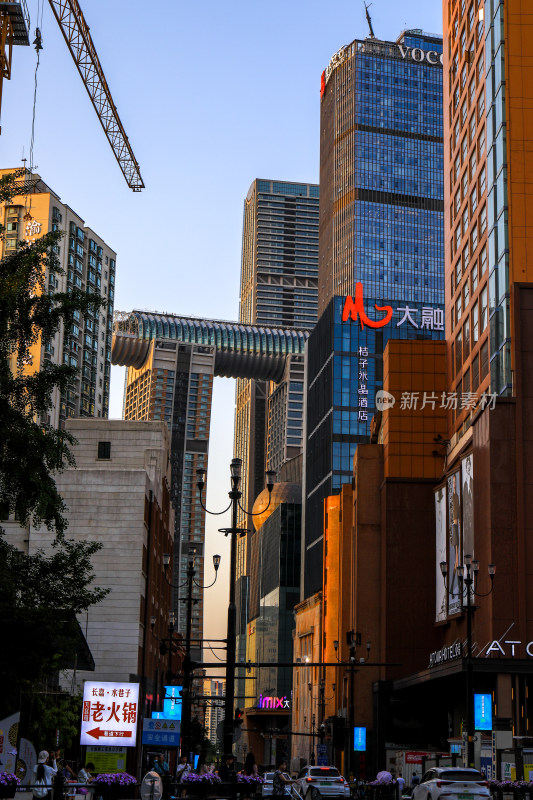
[[38, 42]]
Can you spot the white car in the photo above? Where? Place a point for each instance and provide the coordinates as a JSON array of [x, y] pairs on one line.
[[452, 783], [267, 786], [316, 782]]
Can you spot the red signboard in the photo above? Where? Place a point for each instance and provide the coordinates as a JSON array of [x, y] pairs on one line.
[[354, 309], [416, 757]]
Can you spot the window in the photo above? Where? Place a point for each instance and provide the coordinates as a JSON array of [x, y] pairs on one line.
[[481, 141], [475, 373], [473, 127], [458, 351], [458, 308], [466, 338], [474, 278], [473, 198], [472, 90], [481, 105], [482, 261], [484, 359], [466, 294], [474, 237], [466, 256], [104, 450], [480, 69], [464, 149], [483, 309], [465, 184], [457, 202], [475, 323], [465, 220], [473, 164], [464, 111], [483, 220], [463, 76]]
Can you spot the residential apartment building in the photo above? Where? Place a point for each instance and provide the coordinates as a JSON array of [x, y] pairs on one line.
[[89, 265], [214, 692]]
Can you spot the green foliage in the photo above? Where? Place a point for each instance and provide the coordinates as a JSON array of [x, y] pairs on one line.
[[30, 450], [39, 598], [51, 712], [39, 595]]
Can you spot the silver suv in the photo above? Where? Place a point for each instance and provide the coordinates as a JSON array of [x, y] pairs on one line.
[[316, 782]]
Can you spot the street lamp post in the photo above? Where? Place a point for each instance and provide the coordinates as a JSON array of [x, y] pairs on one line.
[[468, 583], [234, 495], [188, 666], [353, 640]]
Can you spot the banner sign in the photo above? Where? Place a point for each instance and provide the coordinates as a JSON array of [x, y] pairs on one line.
[[109, 712], [161, 732]]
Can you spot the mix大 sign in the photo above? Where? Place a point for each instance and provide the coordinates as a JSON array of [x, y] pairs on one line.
[[269, 701]]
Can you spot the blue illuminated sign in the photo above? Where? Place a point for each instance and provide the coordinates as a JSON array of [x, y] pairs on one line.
[[359, 739], [483, 712], [172, 702]]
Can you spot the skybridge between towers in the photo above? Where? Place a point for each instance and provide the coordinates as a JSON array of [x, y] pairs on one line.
[[171, 363]]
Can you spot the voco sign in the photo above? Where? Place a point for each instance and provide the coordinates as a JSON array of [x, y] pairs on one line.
[[417, 54]]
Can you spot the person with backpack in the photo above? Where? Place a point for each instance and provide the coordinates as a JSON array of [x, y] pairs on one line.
[[43, 773]]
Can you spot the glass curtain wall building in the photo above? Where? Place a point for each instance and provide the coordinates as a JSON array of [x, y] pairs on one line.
[[382, 228], [279, 276]]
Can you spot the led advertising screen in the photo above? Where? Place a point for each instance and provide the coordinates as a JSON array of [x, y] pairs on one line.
[[483, 712], [359, 739]]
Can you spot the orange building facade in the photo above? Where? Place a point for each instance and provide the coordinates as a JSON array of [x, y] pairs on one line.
[[488, 162]]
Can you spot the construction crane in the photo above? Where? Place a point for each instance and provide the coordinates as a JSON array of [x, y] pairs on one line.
[[76, 33], [14, 27]]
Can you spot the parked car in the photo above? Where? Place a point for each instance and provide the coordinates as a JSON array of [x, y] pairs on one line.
[[316, 782], [451, 783], [267, 786]]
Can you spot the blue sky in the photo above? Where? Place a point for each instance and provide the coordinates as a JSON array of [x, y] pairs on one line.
[[212, 95]]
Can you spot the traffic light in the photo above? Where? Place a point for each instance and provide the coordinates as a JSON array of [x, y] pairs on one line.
[[239, 717]]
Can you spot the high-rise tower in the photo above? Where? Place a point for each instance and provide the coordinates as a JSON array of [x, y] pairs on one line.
[[381, 241], [279, 275]]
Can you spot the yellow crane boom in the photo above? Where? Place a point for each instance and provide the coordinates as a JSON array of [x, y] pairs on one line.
[[78, 38]]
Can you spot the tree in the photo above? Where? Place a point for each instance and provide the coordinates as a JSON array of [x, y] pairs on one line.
[[31, 451], [40, 595]]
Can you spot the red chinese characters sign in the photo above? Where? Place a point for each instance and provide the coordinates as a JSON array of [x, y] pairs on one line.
[[354, 309], [110, 713]]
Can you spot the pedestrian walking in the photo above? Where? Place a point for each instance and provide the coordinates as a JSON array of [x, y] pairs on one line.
[[183, 769], [226, 771], [415, 780], [401, 783], [250, 767], [281, 782], [43, 772]]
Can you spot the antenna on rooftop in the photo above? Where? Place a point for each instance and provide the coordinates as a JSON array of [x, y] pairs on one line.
[[372, 34]]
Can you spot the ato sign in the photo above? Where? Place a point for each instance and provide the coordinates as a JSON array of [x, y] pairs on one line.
[[109, 714]]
